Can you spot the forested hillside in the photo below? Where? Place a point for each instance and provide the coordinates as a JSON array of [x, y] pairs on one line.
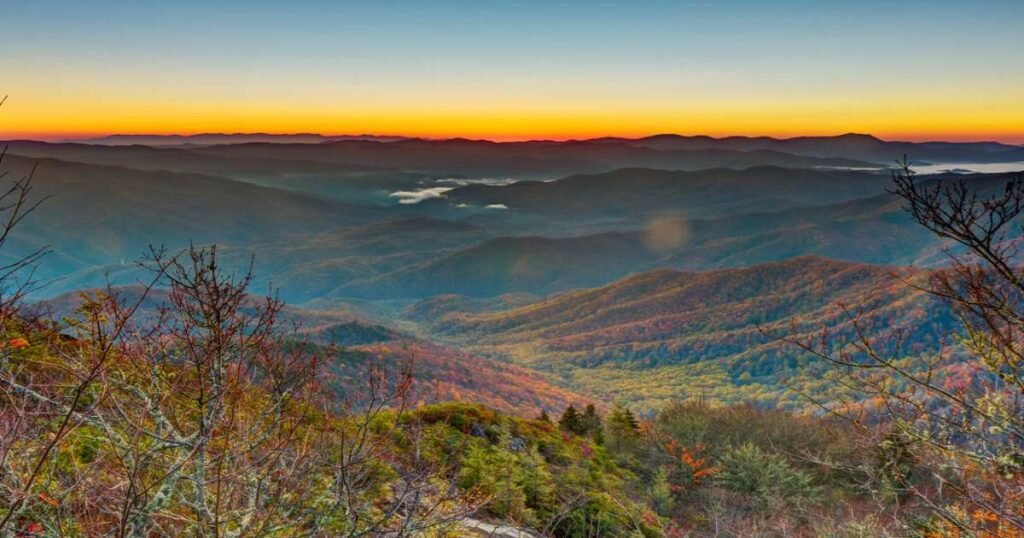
[[666, 334]]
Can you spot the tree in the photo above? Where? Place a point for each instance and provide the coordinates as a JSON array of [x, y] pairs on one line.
[[895, 461], [766, 478], [962, 409], [203, 418], [590, 423], [33, 423], [207, 429], [16, 203], [571, 421], [661, 492], [623, 428]]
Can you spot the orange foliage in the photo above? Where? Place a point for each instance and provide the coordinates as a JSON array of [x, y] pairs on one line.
[[441, 373], [48, 499], [697, 466], [987, 523]]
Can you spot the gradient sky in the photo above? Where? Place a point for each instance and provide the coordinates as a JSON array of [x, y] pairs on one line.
[[511, 70]]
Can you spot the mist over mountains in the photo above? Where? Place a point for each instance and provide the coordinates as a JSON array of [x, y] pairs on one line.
[[640, 290], [585, 262], [851, 145]]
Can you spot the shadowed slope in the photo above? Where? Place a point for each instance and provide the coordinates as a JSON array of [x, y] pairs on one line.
[[99, 215]]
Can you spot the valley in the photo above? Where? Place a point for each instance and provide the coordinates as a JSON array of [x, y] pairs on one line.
[[639, 285], [623, 330]]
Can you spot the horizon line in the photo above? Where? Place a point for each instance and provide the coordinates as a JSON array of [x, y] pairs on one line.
[[80, 138]]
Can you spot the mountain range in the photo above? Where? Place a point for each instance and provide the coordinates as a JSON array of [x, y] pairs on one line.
[[850, 146], [522, 274], [862, 147]]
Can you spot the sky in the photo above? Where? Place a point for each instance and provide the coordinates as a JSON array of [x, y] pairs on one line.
[[513, 70]]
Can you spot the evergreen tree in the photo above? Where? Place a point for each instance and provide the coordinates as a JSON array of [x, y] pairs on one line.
[[544, 416], [623, 427], [624, 420], [661, 492], [591, 424], [571, 421], [629, 419]]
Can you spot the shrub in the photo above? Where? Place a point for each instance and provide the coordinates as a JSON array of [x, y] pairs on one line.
[[763, 476]]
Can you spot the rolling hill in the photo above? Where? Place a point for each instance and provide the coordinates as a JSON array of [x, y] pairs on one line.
[[102, 215], [347, 182], [536, 265], [665, 334], [439, 373], [851, 146], [634, 194], [315, 265], [537, 160], [440, 158], [873, 230], [210, 139], [413, 259], [443, 373]]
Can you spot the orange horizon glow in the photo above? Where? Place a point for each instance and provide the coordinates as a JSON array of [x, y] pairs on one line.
[[889, 114], [525, 132], [1013, 138], [72, 137]]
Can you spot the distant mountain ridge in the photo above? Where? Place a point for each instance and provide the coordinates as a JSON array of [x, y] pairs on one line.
[[309, 212], [98, 215], [855, 146], [850, 145], [209, 139], [874, 229], [643, 192], [439, 158]]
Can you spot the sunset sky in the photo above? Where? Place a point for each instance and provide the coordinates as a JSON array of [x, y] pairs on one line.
[[514, 70]]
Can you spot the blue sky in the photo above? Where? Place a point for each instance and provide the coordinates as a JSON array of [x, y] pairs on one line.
[[549, 62]]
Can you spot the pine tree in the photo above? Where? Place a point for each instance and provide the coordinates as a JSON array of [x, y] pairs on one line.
[[661, 492], [629, 419], [591, 421], [571, 421], [623, 427]]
